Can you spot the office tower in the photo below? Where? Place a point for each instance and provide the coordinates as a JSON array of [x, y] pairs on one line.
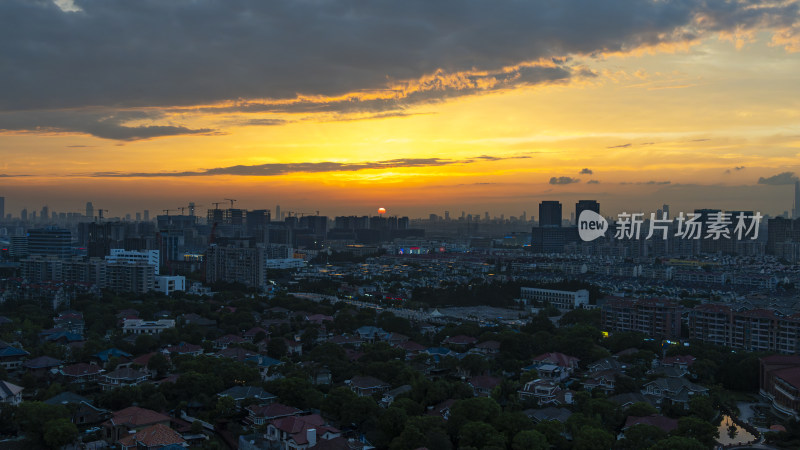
[[45, 213], [447, 215], [50, 241], [486, 215], [23, 214], [33, 216], [2, 207], [278, 213], [524, 216], [191, 209], [138, 217], [550, 213], [583, 205], [797, 199], [89, 210], [665, 210]]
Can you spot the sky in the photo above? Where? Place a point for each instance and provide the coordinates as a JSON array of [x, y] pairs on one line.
[[416, 106]]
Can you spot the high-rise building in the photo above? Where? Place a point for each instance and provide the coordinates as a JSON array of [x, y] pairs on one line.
[[583, 205], [550, 213], [797, 199], [89, 210], [23, 214], [2, 207], [147, 215], [45, 213], [50, 241], [278, 216]]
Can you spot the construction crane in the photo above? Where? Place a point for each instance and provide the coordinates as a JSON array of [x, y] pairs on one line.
[[192, 206], [100, 213], [167, 211], [216, 204], [182, 208], [289, 213], [231, 200]]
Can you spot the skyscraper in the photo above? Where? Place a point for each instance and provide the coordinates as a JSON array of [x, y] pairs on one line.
[[797, 199], [550, 213], [2, 207], [278, 213], [583, 205], [89, 210]]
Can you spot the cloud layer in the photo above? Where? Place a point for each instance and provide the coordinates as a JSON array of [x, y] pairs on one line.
[[779, 179], [266, 170]]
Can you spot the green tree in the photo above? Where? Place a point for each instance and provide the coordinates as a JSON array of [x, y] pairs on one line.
[[699, 429], [276, 348], [678, 443], [702, 407], [641, 409], [480, 435], [479, 409], [639, 437], [591, 438], [59, 432], [530, 440], [159, 364]]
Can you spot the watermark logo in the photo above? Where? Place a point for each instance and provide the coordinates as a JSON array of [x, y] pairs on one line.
[[591, 225]]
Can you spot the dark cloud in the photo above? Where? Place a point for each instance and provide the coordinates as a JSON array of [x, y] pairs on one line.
[[106, 125], [651, 182], [621, 145], [120, 53], [779, 179], [585, 171], [592, 182], [564, 180], [737, 168], [266, 170]]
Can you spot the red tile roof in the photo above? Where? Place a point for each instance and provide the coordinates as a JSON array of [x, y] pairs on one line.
[[134, 417], [155, 436]]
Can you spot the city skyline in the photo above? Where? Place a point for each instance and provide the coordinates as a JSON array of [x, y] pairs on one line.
[[416, 108]]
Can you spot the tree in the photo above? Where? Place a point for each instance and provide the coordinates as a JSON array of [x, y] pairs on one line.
[[591, 438], [276, 348], [480, 435], [478, 409], [678, 443], [158, 363], [641, 409], [530, 440], [699, 429], [640, 436], [59, 432], [702, 407]]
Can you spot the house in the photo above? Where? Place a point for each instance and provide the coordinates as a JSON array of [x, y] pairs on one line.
[[322, 376], [194, 319], [442, 409], [347, 340], [300, 432], [460, 342], [242, 393], [567, 364], [672, 389], [396, 339], [130, 419], [83, 412], [124, 376], [223, 342], [608, 363], [11, 357], [390, 396], [412, 348], [372, 334], [545, 392], [41, 366], [71, 321], [604, 380], [482, 385], [548, 414], [81, 373], [663, 423], [236, 353], [261, 414], [106, 355], [266, 366], [152, 327], [294, 347], [319, 319], [10, 393], [487, 348], [682, 362], [185, 349], [250, 335], [629, 398], [154, 437], [366, 386]]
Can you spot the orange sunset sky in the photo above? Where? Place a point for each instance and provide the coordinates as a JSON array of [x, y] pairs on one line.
[[418, 106]]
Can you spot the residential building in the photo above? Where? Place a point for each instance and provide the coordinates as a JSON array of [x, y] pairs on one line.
[[139, 326], [563, 300], [672, 389], [10, 394], [121, 377], [657, 318], [779, 383], [366, 386]]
